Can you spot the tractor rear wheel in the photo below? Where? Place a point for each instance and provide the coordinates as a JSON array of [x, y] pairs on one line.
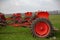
[[42, 27]]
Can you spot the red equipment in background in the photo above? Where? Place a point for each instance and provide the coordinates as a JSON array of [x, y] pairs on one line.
[[39, 23]]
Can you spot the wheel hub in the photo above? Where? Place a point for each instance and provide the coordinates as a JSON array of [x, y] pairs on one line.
[[41, 28]]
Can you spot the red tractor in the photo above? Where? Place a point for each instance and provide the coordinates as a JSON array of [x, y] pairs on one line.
[[38, 22]]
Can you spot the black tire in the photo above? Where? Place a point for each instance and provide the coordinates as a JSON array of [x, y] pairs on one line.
[[51, 32]]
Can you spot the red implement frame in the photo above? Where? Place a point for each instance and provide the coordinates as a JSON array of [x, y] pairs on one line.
[[27, 19]]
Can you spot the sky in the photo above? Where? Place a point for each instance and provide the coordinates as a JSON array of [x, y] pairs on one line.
[[22, 6]]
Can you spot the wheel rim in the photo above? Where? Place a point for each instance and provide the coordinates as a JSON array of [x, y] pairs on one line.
[[42, 29]]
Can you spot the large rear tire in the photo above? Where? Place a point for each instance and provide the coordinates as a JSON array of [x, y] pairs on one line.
[[42, 27]]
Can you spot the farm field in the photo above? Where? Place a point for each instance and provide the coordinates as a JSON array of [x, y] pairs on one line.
[[20, 33]]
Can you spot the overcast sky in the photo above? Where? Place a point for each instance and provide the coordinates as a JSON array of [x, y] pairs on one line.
[[12, 6]]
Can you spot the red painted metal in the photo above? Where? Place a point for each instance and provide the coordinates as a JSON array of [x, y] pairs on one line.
[[17, 17], [42, 29], [20, 22], [2, 16], [28, 14], [17, 14], [42, 14]]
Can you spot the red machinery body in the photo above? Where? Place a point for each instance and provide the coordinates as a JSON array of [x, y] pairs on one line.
[[39, 22], [2, 16], [17, 17], [42, 15], [2, 20]]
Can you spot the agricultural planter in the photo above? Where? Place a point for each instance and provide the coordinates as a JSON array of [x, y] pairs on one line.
[[38, 22]]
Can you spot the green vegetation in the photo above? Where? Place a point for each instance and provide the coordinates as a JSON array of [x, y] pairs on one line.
[[20, 33]]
